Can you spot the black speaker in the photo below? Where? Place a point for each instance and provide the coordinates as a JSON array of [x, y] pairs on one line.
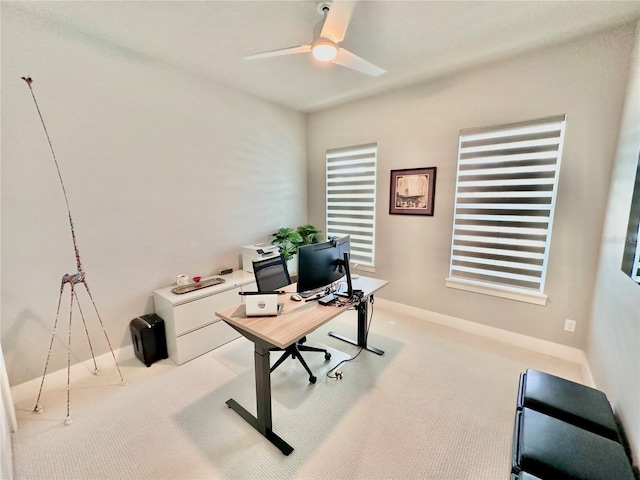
[[149, 338]]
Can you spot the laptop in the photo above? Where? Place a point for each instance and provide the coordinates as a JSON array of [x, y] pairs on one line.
[[262, 305]]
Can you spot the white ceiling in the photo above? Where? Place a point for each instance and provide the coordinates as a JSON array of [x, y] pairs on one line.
[[412, 40]]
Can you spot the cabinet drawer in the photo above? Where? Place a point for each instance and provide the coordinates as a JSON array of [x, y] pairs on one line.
[[203, 340], [197, 313]]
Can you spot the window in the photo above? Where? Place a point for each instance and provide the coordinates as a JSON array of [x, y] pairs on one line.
[[631, 253], [505, 196], [351, 199], [635, 272]]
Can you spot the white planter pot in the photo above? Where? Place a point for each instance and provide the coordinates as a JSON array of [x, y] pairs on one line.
[[292, 265]]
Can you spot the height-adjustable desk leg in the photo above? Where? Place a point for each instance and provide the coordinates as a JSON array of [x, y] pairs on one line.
[[362, 309], [263, 422]]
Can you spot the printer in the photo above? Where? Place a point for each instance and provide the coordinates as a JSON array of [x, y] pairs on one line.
[[255, 252]]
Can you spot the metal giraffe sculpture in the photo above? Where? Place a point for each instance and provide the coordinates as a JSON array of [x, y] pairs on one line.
[[72, 279]]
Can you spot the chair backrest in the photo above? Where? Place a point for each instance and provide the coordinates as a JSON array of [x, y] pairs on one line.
[[271, 273]]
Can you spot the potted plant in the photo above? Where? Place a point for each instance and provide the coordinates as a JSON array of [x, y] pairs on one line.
[[309, 234], [288, 240]]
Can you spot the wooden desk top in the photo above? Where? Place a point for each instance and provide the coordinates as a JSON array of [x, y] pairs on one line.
[[296, 320]]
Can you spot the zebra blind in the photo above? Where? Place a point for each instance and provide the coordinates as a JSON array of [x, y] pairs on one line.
[[351, 198], [505, 196]]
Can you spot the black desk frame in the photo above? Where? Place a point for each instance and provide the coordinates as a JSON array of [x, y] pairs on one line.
[[363, 315], [263, 421]]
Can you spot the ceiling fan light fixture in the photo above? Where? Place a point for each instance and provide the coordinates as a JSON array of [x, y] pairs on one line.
[[324, 50], [328, 35]]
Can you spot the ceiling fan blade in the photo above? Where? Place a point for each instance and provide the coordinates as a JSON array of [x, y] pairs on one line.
[[347, 59], [282, 51], [337, 20]]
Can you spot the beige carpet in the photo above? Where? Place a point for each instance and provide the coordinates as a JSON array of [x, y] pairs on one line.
[[438, 405]]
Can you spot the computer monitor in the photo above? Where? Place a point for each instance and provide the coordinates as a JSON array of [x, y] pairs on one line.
[[321, 264]]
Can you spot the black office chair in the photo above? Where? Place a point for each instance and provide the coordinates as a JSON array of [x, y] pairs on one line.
[[272, 274]]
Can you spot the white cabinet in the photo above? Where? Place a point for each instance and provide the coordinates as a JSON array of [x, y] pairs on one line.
[[191, 325]]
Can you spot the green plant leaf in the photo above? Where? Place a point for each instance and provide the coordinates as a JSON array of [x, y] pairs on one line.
[[287, 240], [308, 233]]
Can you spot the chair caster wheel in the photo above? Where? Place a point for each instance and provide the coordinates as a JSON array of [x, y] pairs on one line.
[[327, 356], [312, 379]]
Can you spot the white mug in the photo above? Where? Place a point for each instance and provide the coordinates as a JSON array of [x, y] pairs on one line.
[[182, 279]]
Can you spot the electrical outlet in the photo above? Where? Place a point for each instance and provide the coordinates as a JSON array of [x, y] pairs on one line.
[[570, 325]]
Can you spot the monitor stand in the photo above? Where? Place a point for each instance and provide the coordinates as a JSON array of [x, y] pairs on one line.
[[349, 290], [310, 293], [342, 290]]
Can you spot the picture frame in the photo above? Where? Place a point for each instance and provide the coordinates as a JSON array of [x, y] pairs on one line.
[[412, 191]]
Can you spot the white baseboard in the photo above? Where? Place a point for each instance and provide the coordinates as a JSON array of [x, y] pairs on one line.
[[79, 370], [7, 411], [59, 378], [570, 354]]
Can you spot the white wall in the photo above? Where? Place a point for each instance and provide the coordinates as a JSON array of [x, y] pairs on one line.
[[166, 173], [419, 127], [613, 349]]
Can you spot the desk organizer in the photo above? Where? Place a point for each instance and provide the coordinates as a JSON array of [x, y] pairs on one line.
[[192, 287]]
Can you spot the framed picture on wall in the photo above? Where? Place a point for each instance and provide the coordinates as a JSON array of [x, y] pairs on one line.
[[412, 191]]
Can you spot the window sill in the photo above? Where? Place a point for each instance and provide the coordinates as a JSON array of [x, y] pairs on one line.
[[496, 291]]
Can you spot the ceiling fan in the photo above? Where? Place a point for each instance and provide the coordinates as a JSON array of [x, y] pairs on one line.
[[326, 47]]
